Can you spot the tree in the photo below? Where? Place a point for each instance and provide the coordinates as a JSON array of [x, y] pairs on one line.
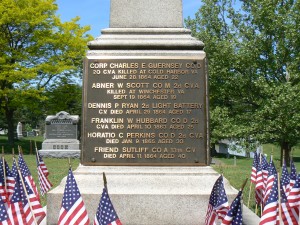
[[36, 50], [64, 97], [252, 46]]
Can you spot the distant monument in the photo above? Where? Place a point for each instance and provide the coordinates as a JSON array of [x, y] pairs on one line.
[[145, 119], [61, 136], [19, 130]]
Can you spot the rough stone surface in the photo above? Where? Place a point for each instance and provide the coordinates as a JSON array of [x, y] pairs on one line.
[[146, 195], [146, 13], [71, 143], [51, 153]]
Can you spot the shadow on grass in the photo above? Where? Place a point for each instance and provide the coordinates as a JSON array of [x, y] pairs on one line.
[[27, 144]]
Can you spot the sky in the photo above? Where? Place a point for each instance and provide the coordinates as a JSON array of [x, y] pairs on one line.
[[95, 13]]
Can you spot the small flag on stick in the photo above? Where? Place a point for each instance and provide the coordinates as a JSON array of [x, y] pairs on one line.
[[4, 217], [234, 215], [27, 176], [106, 214], [16, 209], [32, 209], [218, 203], [270, 213], [44, 182], [72, 210]]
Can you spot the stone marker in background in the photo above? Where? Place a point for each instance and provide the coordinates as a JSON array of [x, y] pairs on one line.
[[19, 130], [61, 136]]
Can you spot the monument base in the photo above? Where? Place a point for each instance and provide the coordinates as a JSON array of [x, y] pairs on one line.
[[60, 148], [145, 195], [54, 153]]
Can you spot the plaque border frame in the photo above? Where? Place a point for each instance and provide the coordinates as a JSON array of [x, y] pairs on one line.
[[166, 57]]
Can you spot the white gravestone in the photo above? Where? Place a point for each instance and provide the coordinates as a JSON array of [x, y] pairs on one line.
[[19, 130]]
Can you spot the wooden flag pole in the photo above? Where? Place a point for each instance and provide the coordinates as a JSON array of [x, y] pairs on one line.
[[20, 150], [26, 193], [271, 157], [37, 154], [256, 208], [69, 159], [4, 169], [242, 189], [261, 204], [105, 181], [249, 194], [35, 146], [279, 198], [244, 184]]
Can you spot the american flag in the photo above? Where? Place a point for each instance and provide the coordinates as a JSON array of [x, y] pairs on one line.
[[32, 200], [72, 210], [272, 173], [31, 205], [285, 177], [44, 182], [293, 177], [4, 217], [27, 175], [234, 215], [294, 195], [10, 180], [259, 186], [42, 164], [270, 213], [106, 214], [3, 180], [254, 169], [264, 167], [3, 192], [16, 210], [289, 215], [218, 203]]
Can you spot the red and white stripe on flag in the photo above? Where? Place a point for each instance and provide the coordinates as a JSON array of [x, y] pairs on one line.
[[76, 213], [270, 214], [45, 184], [38, 210]]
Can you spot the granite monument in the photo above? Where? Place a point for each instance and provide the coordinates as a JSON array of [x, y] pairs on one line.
[[61, 136]]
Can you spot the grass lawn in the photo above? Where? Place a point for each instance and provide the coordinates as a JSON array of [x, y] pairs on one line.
[[237, 174]]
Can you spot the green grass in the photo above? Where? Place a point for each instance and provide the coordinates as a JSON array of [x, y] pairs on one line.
[[237, 174]]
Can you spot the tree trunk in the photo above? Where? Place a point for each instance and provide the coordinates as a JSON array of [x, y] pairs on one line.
[[285, 153], [11, 128]]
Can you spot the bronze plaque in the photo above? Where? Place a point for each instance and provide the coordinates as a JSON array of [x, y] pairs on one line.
[[145, 111]]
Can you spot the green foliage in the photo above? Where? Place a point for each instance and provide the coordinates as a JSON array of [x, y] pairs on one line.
[[36, 50], [63, 97], [253, 54]]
